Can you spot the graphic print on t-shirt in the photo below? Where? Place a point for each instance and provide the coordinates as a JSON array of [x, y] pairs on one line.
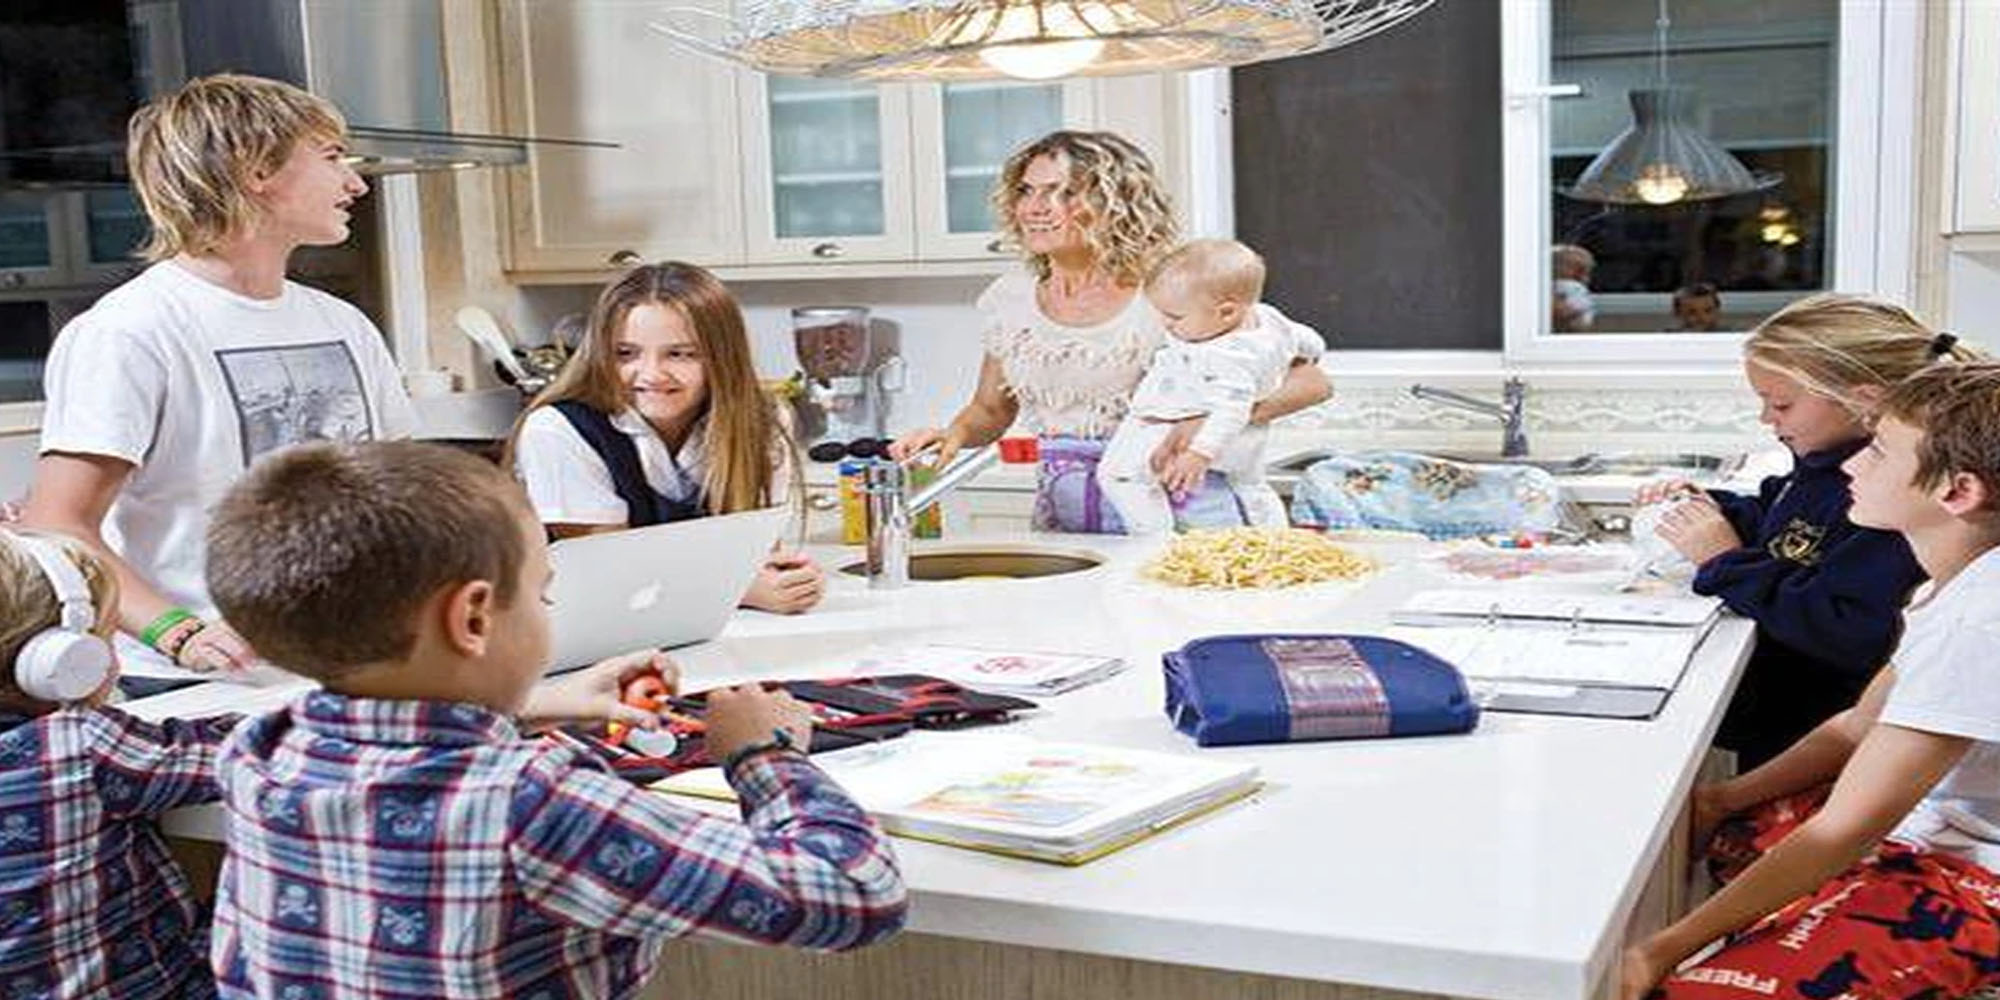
[[293, 394]]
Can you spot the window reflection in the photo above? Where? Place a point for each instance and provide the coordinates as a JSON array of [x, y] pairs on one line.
[[1760, 81]]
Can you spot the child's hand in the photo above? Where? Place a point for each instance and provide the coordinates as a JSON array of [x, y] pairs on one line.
[[1184, 474], [596, 693], [1697, 530], [215, 647], [747, 716], [1654, 492], [1640, 971], [787, 584], [1174, 443], [1706, 811]]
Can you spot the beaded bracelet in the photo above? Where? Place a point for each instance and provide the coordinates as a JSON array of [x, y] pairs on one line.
[[178, 638], [168, 619]]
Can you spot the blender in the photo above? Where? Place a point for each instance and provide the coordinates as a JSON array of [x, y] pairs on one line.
[[847, 386]]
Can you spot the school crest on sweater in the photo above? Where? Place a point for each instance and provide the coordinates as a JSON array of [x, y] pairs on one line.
[[1798, 541]]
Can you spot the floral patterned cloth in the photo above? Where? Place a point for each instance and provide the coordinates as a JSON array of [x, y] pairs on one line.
[[1403, 491]]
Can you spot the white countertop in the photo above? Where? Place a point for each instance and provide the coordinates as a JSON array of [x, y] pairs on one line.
[[1503, 863]]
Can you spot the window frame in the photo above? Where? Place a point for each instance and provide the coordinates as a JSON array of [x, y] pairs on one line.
[[1878, 65]]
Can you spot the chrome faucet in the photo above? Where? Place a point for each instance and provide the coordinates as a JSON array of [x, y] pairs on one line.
[[885, 486], [1509, 411]]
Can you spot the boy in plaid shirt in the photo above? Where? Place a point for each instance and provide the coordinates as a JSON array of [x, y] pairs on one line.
[[91, 904], [395, 835]]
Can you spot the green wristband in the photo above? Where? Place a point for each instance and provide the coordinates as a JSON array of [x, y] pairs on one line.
[[161, 625]]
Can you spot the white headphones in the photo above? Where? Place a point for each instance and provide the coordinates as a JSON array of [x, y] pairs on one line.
[[67, 662]]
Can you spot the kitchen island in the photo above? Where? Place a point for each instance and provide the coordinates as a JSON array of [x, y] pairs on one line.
[[1511, 862]]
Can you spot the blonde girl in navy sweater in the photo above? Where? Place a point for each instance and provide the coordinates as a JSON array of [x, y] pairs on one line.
[[1825, 594]]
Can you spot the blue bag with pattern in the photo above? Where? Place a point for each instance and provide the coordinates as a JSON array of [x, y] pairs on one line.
[[1230, 689]]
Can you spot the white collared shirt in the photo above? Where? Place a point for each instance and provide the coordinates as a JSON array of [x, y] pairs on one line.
[[569, 484]]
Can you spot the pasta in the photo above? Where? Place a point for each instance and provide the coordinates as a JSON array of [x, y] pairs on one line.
[[1255, 557]]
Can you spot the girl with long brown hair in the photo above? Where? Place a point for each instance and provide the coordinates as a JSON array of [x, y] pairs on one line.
[[659, 417]]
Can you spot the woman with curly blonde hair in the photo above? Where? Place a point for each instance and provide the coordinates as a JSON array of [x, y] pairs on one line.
[[1068, 336]]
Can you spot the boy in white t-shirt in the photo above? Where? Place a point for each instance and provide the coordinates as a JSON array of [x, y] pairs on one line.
[[1227, 351], [171, 385], [1888, 888]]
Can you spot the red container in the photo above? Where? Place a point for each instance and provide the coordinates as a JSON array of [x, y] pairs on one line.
[[1017, 450]]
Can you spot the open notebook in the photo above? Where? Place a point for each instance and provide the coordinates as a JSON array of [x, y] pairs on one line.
[[1009, 794], [1616, 656]]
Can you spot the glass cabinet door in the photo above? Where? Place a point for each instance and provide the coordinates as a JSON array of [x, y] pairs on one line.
[[966, 133], [830, 165], [115, 227], [28, 234]]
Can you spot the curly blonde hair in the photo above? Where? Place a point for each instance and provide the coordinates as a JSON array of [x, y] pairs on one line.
[[1130, 224]]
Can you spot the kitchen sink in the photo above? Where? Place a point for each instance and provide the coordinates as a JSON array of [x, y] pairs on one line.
[[965, 562], [1592, 464]]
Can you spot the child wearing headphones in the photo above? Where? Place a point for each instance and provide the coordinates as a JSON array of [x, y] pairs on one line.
[[91, 904]]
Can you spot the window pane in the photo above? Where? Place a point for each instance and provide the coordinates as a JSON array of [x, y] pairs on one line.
[[1692, 179], [24, 344], [24, 231], [118, 226]]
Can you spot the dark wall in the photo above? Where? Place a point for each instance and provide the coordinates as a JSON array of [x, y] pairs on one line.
[[1369, 177]]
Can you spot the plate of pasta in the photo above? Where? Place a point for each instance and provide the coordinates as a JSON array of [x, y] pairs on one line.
[[1255, 559]]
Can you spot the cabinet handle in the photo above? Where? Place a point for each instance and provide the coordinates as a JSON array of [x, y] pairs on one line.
[[625, 258], [821, 501], [996, 246], [826, 251]]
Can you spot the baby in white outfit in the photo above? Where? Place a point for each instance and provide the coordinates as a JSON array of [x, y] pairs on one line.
[[1227, 351]]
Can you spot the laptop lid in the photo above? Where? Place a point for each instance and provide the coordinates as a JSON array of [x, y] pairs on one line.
[[660, 586]]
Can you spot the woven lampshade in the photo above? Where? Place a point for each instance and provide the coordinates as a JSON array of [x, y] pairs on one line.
[[996, 39], [1662, 159]]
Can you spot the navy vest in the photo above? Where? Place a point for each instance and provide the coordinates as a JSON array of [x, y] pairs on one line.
[[645, 504]]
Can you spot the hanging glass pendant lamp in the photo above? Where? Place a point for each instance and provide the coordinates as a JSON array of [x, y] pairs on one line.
[[887, 40], [1662, 158]]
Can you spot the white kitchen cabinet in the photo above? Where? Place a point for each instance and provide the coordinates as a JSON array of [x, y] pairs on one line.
[[596, 71], [1974, 202], [829, 169], [761, 176], [962, 133], [986, 512], [69, 239]]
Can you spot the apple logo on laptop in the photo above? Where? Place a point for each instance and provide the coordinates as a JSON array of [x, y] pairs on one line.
[[646, 597]]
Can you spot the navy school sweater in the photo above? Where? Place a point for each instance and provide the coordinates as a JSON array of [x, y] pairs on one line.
[[1827, 597]]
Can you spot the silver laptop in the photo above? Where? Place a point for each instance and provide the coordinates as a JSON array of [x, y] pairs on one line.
[[658, 586]]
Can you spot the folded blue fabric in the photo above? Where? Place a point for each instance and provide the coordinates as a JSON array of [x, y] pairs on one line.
[[1282, 688], [1405, 491]]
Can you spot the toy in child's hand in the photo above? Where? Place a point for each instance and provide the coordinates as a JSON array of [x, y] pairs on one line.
[[649, 691]]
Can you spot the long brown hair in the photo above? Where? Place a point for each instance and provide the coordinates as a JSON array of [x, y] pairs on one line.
[[745, 439]]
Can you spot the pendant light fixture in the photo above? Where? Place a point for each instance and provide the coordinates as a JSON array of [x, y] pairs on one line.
[[1662, 158], [885, 40]]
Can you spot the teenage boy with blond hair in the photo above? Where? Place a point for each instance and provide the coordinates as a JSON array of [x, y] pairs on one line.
[[172, 384], [395, 835], [1889, 888]]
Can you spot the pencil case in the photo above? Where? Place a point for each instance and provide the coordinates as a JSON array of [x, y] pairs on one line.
[[1231, 689], [846, 712]]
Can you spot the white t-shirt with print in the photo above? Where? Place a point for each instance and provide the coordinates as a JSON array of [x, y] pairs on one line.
[[1946, 682], [191, 383], [568, 483]]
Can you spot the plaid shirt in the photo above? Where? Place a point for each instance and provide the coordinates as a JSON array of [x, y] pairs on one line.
[[403, 849], [91, 905]]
